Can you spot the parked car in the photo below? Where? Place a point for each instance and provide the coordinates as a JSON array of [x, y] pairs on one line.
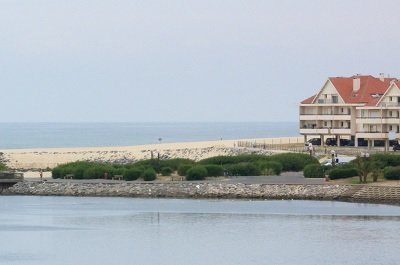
[[346, 142], [396, 147], [314, 141], [331, 142], [362, 142]]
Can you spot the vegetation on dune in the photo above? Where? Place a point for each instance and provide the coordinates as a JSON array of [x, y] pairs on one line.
[[3, 167], [313, 171], [149, 174], [196, 173], [241, 165]]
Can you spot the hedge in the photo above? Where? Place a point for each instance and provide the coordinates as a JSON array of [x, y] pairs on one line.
[[313, 171], [3, 167], [225, 160], [196, 173], [214, 170], [175, 163], [133, 174], [182, 169], [392, 173], [343, 172], [166, 171], [293, 161], [268, 167], [149, 174], [243, 169]]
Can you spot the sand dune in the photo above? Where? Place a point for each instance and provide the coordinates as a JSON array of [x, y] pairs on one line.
[[25, 159]]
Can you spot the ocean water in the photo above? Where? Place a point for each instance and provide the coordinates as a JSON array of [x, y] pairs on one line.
[[36, 135], [72, 230]]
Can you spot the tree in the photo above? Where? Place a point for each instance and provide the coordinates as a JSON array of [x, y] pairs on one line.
[[365, 166]]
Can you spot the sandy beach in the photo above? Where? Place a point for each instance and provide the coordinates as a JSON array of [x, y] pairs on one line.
[[43, 158]]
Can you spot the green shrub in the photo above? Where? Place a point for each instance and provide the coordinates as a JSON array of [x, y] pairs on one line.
[[387, 160], [149, 163], [182, 169], [3, 167], [343, 172], [175, 163], [166, 171], [313, 171], [293, 161], [196, 173], [149, 174], [132, 174], [270, 167], [243, 169], [392, 173], [214, 170], [92, 173], [117, 171], [56, 173], [225, 160]]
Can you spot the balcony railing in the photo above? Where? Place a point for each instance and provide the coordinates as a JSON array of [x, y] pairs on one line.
[[327, 101], [383, 117], [319, 127], [326, 114], [390, 104]]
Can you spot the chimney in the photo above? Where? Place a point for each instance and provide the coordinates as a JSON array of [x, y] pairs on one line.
[[356, 84], [382, 77]]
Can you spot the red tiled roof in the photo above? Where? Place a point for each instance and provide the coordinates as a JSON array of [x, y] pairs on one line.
[[308, 100], [369, 86]]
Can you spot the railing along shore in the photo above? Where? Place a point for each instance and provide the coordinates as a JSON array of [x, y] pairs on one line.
[[296, 144]]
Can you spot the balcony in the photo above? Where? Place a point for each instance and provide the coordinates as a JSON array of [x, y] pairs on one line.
[[327, 101], [372, 135], [378, 120], [325, 117], [390, 104], [324, 130]]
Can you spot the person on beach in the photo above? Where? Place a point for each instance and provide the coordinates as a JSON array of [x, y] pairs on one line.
[[41, 174]]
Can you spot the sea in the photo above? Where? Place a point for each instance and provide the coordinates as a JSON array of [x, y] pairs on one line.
[[49, 135], [74, 230]]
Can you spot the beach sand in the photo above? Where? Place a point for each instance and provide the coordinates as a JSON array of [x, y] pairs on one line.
[[42, 158]]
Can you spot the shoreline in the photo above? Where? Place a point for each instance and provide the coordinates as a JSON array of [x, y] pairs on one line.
[[212, 190], [42, 158]]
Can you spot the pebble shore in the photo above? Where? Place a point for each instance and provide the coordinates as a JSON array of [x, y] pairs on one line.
[[204, 190], [181, 190]]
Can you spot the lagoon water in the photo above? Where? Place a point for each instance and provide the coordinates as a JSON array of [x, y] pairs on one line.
[[73, 230]]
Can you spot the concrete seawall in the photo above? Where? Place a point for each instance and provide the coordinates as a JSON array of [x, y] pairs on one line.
[[356, 193]]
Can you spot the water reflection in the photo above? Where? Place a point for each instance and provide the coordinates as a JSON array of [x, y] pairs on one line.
[[56, 230]]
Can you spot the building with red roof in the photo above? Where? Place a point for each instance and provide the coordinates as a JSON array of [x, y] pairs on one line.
[[361, 109]]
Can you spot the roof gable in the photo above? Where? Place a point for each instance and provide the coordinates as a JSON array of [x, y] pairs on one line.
[[370, 92]]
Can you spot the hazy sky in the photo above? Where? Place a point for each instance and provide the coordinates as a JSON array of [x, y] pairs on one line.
[[127, 60]]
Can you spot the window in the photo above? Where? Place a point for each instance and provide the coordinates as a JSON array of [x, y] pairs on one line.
[[335, 99]]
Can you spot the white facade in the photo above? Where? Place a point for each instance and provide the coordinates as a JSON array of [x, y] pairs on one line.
[[328, 114]]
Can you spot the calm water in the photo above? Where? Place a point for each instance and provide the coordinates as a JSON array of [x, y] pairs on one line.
[[68, 230], [31, 135]]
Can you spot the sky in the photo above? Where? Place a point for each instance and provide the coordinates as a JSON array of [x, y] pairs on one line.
[[184, 61]]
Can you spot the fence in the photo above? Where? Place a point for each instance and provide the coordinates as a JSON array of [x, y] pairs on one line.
[[296, 144]]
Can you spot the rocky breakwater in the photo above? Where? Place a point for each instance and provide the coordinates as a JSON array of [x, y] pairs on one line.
[[182, 190]]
